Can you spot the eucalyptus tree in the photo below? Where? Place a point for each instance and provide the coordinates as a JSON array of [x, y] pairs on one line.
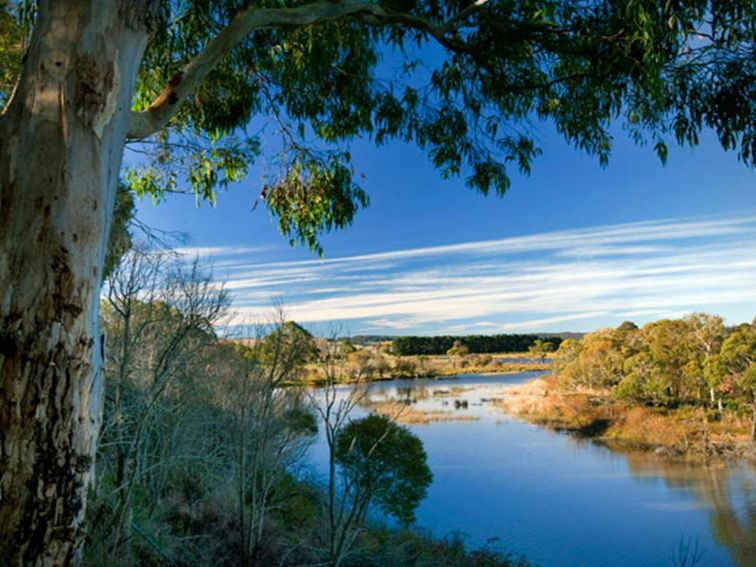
[[737, 363], [80, 78], [706, 333]]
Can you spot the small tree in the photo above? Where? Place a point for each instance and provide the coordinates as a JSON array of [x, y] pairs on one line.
[[385, 464], [291, 338], [272, 426], [333, 408], [159, 316], [540, 349], [346, 347], [596, 362], [458, 349], [566, 355], [644, 381]]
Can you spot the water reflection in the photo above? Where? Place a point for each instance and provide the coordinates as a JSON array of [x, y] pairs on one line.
[[559, 500], [727, 491]]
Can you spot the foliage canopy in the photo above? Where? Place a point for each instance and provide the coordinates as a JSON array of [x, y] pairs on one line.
[[465, 81], [694, 360]]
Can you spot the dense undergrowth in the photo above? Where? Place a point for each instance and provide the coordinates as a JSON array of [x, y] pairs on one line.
[[188, 528]]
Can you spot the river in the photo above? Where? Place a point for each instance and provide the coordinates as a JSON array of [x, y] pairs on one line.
[[560, 501]]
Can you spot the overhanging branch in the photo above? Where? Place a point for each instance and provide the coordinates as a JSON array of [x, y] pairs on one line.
[[145, 123]]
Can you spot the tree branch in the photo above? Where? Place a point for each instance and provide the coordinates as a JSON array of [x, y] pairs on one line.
[[145, 123], [455, 21]]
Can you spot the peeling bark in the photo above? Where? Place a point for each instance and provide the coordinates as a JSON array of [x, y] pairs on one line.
[[61, 142]]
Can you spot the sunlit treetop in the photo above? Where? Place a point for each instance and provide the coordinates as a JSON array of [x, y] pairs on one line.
[[466, 82]]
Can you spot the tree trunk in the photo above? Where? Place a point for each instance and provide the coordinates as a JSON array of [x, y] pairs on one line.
[[61, 143]]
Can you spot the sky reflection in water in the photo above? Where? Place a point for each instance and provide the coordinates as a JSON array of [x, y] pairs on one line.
[[561, 501]]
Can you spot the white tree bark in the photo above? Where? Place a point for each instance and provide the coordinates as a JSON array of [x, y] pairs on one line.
[[61, 142]]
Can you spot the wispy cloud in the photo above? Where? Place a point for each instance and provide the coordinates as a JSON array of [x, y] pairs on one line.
[[553, 280], [219, 251]]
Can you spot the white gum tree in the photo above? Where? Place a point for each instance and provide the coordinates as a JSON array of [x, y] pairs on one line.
[[79, 79]]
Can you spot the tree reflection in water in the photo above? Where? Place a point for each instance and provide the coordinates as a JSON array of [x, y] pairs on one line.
[[729, 491]]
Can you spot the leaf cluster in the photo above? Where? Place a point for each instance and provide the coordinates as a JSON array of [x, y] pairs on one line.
[[471, 85]]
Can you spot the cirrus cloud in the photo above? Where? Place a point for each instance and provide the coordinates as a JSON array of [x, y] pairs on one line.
[[571, 279]]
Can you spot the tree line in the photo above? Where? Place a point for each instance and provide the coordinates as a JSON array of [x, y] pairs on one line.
[[476, 344], [696, 360]]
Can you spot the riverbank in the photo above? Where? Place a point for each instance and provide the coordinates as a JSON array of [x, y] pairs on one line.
[[364, 366], [687, 433]]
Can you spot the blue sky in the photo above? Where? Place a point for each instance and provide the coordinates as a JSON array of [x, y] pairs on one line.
[[572, 247]]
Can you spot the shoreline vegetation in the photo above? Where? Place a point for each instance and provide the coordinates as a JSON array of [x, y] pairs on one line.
[[203, 452], [426, 367], [682, 389], [391, 358], [687, 432], [683, 433]]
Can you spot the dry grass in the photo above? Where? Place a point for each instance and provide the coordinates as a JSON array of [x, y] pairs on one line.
[[687, 431], [479, 364], [407, 415], [679, 431]]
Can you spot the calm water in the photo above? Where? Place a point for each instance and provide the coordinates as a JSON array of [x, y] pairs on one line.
[[562, 502]]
